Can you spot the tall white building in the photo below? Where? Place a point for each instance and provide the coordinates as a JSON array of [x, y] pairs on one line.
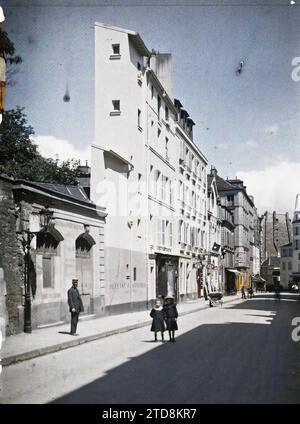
[[135, 173]]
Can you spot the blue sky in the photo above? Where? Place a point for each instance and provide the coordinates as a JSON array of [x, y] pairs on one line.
[[246, 125]]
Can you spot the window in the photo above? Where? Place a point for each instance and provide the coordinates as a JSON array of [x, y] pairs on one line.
[[116, 107], [283, 266], [163, 232], [47, 272], [158, 132], [181, 150], [134, 274], [157, 183], [166, 113], [289, 266], [297, 244], [139, 119], [139, 68], [299, 256], [166, 147], [180, 235], [171, 192], [163, 193], [170, 234], [158, 106], [152, 92], [116, 49]]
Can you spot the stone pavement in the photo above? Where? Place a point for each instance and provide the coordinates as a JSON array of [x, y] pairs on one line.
[[22, 347]]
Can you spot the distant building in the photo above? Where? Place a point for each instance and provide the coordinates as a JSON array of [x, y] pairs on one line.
[[286, 264], [296, 242], [276, 231], [234, 196]]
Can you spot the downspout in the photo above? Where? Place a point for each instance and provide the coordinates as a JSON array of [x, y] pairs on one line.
[[147, 188]]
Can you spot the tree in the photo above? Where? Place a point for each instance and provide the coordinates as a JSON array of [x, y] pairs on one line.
[[20, 158], [7, 51]]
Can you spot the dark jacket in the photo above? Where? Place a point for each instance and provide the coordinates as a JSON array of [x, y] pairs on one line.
[[74, 300], [158, 322], [171, 314]]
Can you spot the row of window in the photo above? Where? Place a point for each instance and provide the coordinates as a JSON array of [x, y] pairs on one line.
[[162, 188], [289, 267], [191, 162], [191, 235]]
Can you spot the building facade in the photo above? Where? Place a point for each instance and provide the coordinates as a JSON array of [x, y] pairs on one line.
[[192, 231], [233, 194], [70, 247], [137, 173], [286, 265], [296, 242], [276, 231]]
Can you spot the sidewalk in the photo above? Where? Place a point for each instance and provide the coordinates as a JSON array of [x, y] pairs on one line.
[[22, 347]]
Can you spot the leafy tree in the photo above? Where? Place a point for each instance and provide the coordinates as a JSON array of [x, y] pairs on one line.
[[20, 158], [7, 51]]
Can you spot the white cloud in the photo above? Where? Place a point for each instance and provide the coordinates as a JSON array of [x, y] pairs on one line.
[[275, 187], [273, 129], [52, 147], [249, 144]]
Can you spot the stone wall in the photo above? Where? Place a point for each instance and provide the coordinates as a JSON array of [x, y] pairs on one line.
[[11, 260]]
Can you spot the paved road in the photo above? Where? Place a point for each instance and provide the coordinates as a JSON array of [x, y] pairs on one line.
[[241, 353]]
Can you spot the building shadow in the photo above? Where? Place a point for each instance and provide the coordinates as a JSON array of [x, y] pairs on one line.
[[227, 363]]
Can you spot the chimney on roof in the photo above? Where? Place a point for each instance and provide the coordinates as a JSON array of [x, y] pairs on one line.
[[213, 171]]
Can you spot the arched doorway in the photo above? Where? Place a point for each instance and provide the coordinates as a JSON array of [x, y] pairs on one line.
[[47, 245], [84, 269]]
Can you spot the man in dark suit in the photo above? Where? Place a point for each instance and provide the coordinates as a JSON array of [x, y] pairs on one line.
[[75, 305]]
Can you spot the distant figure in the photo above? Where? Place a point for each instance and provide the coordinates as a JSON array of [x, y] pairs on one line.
[[171, 315], [75, 305], [250, 292], [243, 292], [158, 320]]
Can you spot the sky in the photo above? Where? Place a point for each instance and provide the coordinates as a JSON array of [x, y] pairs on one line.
[[247, 125]]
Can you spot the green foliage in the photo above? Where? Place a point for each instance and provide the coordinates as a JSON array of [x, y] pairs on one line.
[[20, 158], [7, 49]]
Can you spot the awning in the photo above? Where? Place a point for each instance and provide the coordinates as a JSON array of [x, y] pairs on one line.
[[235, 271]]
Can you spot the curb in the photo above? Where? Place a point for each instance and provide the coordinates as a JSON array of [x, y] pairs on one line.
[[20, 357]]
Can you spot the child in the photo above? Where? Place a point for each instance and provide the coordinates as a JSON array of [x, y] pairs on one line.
[[158, 321], [171, 315]]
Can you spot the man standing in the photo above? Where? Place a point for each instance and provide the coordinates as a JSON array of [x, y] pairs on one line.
[[75, 305]]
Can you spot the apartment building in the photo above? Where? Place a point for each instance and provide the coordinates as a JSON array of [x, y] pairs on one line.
[[137, 174], [191, 177]]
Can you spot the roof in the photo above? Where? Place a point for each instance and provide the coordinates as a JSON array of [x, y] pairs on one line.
[[223, 184], [75, 192], [286, 245], [227, 185], [272, 261], [133, 36]]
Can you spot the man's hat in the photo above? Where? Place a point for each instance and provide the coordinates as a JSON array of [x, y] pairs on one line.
[[74, 280], [170, 296]]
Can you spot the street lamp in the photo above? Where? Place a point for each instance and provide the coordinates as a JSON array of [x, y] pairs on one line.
[[27, 236]]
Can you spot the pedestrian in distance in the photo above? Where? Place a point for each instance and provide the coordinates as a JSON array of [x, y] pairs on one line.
[[243, 292], [75, 305], [158, 320], [171, 315]]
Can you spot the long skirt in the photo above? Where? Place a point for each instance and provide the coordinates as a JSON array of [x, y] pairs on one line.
[[171, 324]]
